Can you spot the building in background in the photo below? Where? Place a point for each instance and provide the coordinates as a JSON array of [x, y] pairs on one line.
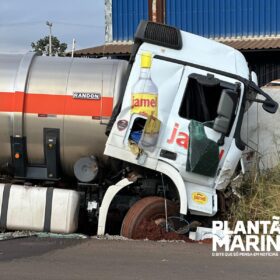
[[251, 26]]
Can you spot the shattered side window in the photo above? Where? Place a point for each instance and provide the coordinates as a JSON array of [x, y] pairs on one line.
[[200, 102]]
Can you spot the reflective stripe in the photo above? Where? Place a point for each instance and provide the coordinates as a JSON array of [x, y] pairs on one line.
[[56, 104]]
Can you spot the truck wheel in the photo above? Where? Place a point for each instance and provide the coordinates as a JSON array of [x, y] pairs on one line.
[[146, 217]]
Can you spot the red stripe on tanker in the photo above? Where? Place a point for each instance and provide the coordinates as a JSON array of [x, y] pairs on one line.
[[55, 104]]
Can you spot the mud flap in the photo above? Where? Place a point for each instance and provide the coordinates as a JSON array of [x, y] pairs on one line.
[[203, 153]]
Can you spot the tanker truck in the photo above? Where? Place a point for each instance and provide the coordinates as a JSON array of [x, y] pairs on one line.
[[140, 141]]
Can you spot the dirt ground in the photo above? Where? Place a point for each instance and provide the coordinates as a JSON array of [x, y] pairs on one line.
[[45, 258]]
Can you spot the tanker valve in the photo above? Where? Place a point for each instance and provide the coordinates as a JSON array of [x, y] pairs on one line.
[[50, 144], [17, 156]]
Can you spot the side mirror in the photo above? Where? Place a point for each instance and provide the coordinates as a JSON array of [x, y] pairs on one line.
[[270, 106], [226, 108]]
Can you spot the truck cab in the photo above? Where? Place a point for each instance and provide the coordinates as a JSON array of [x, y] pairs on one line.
[[203, 88]]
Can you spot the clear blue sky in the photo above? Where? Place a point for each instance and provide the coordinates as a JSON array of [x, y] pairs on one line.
[[24, 21]]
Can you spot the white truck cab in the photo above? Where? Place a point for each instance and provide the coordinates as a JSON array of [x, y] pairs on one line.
[[202, 90]]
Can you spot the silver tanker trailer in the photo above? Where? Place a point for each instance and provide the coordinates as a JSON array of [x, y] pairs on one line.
[[173, 115]]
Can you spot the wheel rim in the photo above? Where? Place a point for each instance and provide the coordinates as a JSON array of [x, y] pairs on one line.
[[144, 218]]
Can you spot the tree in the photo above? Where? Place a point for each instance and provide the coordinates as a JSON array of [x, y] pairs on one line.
[[42, 46]]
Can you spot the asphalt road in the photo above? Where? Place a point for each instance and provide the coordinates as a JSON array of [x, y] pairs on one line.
[[64, 259]]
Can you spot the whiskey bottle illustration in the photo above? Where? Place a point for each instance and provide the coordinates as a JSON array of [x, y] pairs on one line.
[[145, 102]]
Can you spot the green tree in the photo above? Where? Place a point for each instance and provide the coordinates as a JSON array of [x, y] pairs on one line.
[[42, 46]]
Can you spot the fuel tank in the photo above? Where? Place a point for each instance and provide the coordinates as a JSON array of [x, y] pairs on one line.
[[74, 96], [39, 208]]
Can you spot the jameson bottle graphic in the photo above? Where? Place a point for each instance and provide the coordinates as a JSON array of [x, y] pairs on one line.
[[145, 102], [145, 92]]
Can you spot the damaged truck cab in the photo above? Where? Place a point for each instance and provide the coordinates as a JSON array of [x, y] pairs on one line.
[[202, 90], [173, 116]]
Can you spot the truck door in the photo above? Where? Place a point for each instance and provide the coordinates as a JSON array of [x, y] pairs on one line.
[[200, 130]]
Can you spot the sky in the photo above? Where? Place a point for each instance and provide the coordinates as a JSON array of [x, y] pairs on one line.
[[24, 21]]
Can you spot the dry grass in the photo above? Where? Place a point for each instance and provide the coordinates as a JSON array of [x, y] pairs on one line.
[[260, 198]]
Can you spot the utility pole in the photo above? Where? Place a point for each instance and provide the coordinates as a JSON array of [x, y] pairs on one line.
[[73, 47], [49, 24]]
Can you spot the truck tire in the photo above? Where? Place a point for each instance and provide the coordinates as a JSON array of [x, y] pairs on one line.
[[147, 212]]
